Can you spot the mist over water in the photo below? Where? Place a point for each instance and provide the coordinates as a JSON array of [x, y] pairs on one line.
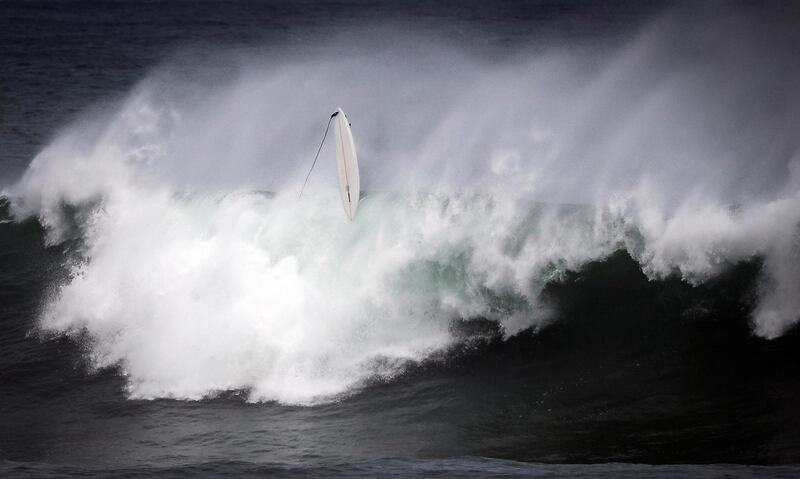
[[487, 179]]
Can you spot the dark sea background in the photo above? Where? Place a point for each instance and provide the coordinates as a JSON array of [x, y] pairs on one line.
[[631, 374]]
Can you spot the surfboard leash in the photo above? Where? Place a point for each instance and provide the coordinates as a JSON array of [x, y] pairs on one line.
[[317, 155]]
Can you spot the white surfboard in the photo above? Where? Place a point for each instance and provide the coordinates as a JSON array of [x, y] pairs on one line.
[[346, 164]]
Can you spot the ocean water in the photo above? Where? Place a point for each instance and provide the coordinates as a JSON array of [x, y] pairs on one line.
[[576, 254]]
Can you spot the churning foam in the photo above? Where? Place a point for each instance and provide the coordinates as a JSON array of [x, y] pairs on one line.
[[194, 284]]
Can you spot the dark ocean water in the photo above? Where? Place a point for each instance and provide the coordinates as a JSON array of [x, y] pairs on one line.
[[631, 377]]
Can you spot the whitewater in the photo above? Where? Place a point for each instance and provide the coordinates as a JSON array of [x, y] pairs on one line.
[[195, 269]]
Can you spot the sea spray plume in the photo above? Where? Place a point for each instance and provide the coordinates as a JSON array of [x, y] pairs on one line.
[[193, 285], [718, 157]]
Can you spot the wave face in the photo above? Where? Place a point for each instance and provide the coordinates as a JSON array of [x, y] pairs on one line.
[[679, 147]]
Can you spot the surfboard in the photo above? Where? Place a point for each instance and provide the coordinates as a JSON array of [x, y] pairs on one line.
[[346, 164]]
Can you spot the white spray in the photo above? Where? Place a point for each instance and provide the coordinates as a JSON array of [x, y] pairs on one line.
[[193, 283]]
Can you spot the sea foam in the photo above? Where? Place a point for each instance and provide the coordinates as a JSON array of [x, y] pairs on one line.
[[194, 283]]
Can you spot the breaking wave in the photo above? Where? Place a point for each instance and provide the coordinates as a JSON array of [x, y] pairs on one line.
[[489, 179]]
